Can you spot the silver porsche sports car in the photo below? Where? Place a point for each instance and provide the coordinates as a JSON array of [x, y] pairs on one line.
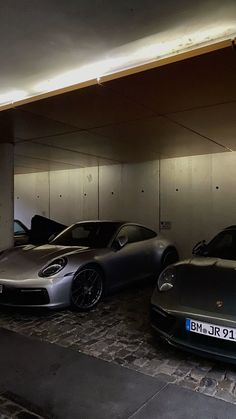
[[82, 263], [194, 302]]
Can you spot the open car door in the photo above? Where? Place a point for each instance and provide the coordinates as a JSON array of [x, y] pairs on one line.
[[42, 228]]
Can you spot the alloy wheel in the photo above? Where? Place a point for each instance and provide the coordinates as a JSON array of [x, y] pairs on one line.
[[86, 289]]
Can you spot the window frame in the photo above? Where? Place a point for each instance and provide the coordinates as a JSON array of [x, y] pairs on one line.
[[134, 225], [23, 227]]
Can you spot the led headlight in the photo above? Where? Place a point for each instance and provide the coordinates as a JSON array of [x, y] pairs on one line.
[[53, 268], [166, 279]]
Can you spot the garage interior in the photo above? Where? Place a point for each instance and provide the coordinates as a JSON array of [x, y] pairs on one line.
[[157, 146], [153, 144]]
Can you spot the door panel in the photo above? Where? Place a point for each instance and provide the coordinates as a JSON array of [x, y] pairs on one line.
[[133, 261]]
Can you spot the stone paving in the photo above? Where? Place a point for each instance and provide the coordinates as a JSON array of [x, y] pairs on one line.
[[118, 331], [9, 409]]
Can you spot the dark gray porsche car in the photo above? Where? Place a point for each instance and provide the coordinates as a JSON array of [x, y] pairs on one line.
[[82, 263], [194, 302]]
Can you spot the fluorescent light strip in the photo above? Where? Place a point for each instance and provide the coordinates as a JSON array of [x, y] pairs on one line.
[[13, 96], [137, 53], [150, 51]]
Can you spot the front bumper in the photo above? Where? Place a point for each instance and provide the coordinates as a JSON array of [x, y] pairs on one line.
[[43, 293], [172, 329], [24, 296]]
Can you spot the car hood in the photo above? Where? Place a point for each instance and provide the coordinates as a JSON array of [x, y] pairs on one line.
[[205, 262], [25, 262], [202, 281]]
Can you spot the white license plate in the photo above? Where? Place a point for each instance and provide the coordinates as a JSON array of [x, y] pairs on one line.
[[208, 329], [1, 289]]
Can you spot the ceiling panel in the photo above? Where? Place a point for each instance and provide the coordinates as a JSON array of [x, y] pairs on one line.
[[195, 82], [90, 107], [83, 142], [6, 128], [161, 136], [26, 125], [57, 156], [25, 164], [107, 149], [217, 122]]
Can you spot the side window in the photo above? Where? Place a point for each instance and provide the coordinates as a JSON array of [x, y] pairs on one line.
[[81, 233], [146, 234], [132, 232], [226, 242], [223, 246], [18, 229]]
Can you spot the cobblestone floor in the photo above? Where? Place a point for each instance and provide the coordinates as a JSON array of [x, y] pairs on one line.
[[118, 331], [9, 409]]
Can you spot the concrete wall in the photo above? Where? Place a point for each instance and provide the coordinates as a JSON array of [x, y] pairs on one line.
[[129, 192], [198, 197], [6, 195]]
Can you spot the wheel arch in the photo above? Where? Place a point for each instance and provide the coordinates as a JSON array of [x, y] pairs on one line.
[[170, 248], [92, 264]]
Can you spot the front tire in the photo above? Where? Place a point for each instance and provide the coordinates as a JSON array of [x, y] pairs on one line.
[[87, 288]]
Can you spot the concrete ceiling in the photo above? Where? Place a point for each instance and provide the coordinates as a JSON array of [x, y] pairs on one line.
[[43, 40], [183, 108]]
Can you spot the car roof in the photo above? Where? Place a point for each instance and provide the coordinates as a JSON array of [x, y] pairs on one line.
[[102, 221], [118, 222], [233, 227]]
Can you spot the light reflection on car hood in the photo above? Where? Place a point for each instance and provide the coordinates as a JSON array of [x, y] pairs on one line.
[[205, 261], [26, 261]]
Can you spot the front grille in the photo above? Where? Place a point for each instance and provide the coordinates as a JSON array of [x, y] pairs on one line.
[[206, 343], [174, 328], [24, 296]]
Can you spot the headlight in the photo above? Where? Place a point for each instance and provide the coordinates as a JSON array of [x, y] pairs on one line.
[[166, 279], [53, 268]]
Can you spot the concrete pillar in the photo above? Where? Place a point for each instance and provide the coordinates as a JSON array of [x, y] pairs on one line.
[[6, 195]]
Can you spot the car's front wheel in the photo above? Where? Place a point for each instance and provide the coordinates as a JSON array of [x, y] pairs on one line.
[[87, 288]]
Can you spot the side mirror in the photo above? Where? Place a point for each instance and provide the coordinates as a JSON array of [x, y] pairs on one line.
[[52, 237], [199, 248], [120, 242]]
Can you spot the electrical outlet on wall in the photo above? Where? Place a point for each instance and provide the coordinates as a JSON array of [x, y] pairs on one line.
[[165, 225]]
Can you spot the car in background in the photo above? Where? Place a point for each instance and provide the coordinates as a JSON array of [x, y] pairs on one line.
[[81, 264], [194, 303], [21, 233], [41, 230]]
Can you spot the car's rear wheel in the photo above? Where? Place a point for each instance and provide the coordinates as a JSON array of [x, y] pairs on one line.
[[87, 288], [170, 256]]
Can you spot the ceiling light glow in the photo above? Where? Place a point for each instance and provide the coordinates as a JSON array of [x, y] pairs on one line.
[[85, 73], [12, 96], [138, 53]]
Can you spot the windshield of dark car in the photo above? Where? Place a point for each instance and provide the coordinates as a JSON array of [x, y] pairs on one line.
[[90, 234], [222, 246]]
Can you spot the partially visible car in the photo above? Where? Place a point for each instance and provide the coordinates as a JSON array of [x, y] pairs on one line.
[[42, 228], [80, 265], [21, 233], [194, 302]]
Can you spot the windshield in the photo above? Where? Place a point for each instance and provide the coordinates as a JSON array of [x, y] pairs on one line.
[[90, 234], [222, 246]]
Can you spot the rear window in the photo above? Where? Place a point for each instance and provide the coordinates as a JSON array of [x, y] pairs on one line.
[[223, 246], [136, 233]]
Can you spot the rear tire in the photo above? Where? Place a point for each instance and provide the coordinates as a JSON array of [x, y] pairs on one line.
[[87, 288]]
